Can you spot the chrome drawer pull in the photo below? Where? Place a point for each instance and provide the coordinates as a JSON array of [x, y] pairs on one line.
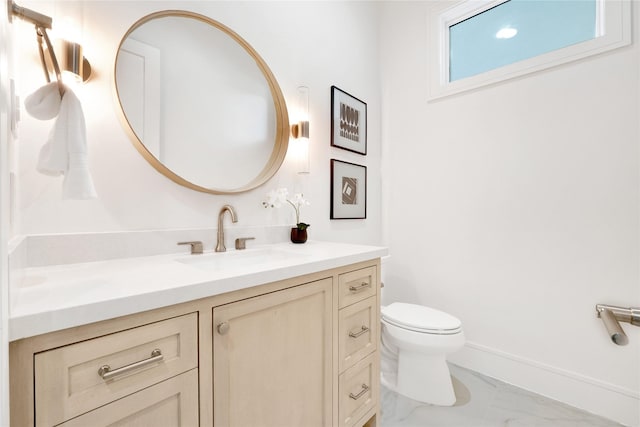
[[360, 287], [363, 330], [365, 388], [106, 373]]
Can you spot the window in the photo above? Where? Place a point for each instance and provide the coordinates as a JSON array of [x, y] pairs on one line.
[[483, 42], [516, 30]]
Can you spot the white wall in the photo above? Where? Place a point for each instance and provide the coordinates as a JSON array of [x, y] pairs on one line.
[[516, 208], [317, 44]]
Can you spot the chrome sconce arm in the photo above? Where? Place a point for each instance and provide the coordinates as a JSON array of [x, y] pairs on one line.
[[611, 316]]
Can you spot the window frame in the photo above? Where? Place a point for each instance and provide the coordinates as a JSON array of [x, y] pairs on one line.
[[613, 30]]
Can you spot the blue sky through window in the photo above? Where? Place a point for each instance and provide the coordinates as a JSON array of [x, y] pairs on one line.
[[517, 30]]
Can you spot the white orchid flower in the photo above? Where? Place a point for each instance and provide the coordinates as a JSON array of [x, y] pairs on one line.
[[298, 201], [278, 197]]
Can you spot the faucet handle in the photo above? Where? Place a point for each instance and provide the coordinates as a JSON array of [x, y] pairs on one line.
[[196, 246], [241, 242]]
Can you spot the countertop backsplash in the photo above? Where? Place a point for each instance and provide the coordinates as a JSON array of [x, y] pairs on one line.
[[57, 249]]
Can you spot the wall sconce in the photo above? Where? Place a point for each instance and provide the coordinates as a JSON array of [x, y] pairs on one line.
[[300, 131], [72, 62], [73, 65]]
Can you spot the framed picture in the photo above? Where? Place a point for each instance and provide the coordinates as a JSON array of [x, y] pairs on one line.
[[348, 122], [348, 190]]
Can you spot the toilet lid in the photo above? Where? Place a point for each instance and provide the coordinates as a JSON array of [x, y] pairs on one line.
[[420, 318]]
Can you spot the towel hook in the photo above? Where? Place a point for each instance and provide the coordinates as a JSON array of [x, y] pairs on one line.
[[42, 33]]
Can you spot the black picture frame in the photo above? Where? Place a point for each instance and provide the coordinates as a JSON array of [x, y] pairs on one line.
[[348, 190], [348, 122]]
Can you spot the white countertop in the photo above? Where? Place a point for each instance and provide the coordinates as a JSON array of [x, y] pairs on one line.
[[46, 299]]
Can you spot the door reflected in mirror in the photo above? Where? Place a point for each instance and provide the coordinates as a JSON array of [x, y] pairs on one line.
[[201, 105]]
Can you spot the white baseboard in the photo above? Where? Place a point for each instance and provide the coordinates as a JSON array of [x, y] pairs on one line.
[[589, 394]]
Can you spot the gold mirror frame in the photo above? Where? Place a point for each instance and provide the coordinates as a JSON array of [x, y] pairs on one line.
[[282, 118]]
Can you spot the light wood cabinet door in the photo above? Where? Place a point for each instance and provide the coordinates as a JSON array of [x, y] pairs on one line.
[[272, 359], [171, 403]]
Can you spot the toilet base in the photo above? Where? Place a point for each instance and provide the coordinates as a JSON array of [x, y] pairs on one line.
[[424, 378]]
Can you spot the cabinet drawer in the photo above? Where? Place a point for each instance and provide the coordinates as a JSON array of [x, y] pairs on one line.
[[68, 382], [171, 403], [358, 391], [357, 285], [370, 419], [358, 328]]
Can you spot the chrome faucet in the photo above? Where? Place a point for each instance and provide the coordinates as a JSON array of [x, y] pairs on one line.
[[226, 208]]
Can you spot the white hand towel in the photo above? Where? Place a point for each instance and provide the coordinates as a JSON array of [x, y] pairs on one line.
[[44, 103], [65, 152]]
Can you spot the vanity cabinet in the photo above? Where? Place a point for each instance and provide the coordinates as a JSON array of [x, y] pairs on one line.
[[298, 352]]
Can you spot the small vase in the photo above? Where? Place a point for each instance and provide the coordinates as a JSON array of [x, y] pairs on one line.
[[298, 236]]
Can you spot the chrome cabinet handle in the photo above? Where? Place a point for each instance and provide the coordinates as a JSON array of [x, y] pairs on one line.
[[106, 373], [360, 287], [363, 330], [365, 388], [223, 328]]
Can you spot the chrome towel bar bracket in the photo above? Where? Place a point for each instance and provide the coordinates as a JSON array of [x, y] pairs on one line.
[[36, 18], [42, 23], [611, 316]]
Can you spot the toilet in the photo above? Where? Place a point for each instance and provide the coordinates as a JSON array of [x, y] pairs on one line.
[[415, 342]]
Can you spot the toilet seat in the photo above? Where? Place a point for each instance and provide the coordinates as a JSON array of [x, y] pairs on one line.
[[421, 319]]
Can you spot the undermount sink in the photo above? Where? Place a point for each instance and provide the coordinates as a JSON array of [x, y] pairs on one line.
[[240, 258]]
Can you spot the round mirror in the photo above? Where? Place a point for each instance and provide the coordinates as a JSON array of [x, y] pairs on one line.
[[200, 103]]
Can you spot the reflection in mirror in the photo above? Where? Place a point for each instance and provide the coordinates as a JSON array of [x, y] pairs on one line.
[[203, 106]]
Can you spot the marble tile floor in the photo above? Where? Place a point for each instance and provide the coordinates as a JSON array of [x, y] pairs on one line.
[[485, 402]]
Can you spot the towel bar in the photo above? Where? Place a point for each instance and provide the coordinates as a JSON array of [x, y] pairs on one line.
[[42, 23], [611, 316]]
